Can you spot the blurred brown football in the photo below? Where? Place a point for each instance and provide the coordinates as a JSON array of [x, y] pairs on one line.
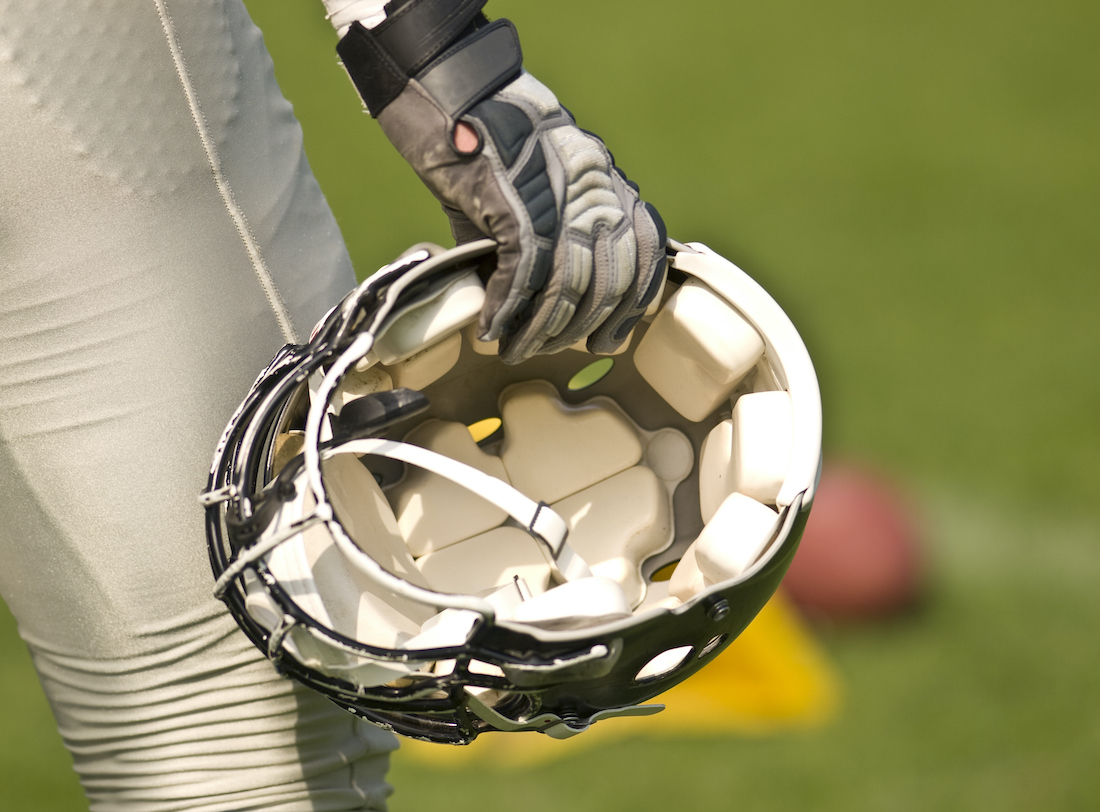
[[861, 554]]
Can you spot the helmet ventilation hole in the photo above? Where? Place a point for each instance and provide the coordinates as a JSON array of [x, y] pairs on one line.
[[484, 429], [664, 663], [665, 572], [591, 374], [711, 645]]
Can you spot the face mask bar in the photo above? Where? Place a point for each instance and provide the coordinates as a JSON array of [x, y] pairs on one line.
[[505, 674]]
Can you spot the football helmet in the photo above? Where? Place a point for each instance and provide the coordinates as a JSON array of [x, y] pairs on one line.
[[444, 544]]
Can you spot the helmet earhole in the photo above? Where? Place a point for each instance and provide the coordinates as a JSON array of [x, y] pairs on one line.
[[664, 663]]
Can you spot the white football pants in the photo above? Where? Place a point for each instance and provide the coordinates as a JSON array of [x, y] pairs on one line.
[[161, 236]]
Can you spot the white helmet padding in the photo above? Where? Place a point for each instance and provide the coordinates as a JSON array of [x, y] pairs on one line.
[[443, 584]]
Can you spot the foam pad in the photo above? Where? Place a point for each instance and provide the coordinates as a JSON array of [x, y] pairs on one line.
[[575, 605], [751, 454], [552, 450], [616, 524], [287, 447], [484, 563], [451, 307], [432, 511], [381, 617], [362, 509], [358, 383], [763, 436], [670, 456], [687, 579], [729, 544], [451, 627], [657, 597], [428, 365], [479, 346], [310, 565], [715, 457], [697, 350], [734, 538]]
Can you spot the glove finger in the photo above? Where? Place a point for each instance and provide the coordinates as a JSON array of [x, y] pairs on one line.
[[462, 227], [649, 231], [600, 211], [531, 237], [613, 262], [505, 302], [415, 122], [554, 307]]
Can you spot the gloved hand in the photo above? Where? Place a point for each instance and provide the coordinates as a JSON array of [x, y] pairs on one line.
[[579, 254]]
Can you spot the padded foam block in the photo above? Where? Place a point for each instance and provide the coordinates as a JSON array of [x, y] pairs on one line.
[[697, 350], [480, 347], [362, 509], [728, 545], [763, 436], [449, 309], [749, 453], [575, 605], [687, 579], [310, 565], [356, 384], [552, 450], [428, 365], [657, 597], [734, 538], [715, 457], [483, 563], [670, 456], [432, 511], [287, 447], [451, 627], [616, 524]]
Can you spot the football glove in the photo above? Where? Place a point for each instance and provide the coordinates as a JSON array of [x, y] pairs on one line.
[[580, 256]]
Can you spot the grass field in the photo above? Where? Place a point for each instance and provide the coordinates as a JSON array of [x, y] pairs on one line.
[[920, 188]]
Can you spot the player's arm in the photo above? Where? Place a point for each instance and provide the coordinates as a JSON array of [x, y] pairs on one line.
[[580, 256]]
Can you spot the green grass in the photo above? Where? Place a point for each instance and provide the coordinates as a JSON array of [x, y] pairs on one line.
[[36, 773], [919, 187]]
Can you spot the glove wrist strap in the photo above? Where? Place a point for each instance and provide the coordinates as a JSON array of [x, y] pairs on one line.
[[474, 68], [414, 33], [447, 45]]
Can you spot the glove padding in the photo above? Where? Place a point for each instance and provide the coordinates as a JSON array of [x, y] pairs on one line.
[[579, 254]]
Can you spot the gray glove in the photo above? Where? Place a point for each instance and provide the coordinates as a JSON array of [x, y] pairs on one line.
[[579, 254]]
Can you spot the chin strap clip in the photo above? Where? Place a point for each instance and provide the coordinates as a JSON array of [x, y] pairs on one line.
[[553, 725]]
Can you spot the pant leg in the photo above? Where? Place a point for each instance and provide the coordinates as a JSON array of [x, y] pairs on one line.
[[161, 236]]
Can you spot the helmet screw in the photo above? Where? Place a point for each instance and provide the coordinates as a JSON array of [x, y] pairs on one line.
[[718, 610]]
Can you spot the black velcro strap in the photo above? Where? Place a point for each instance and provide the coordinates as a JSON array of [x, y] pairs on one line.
[[474, 68], [416, 32], [375, 75]]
